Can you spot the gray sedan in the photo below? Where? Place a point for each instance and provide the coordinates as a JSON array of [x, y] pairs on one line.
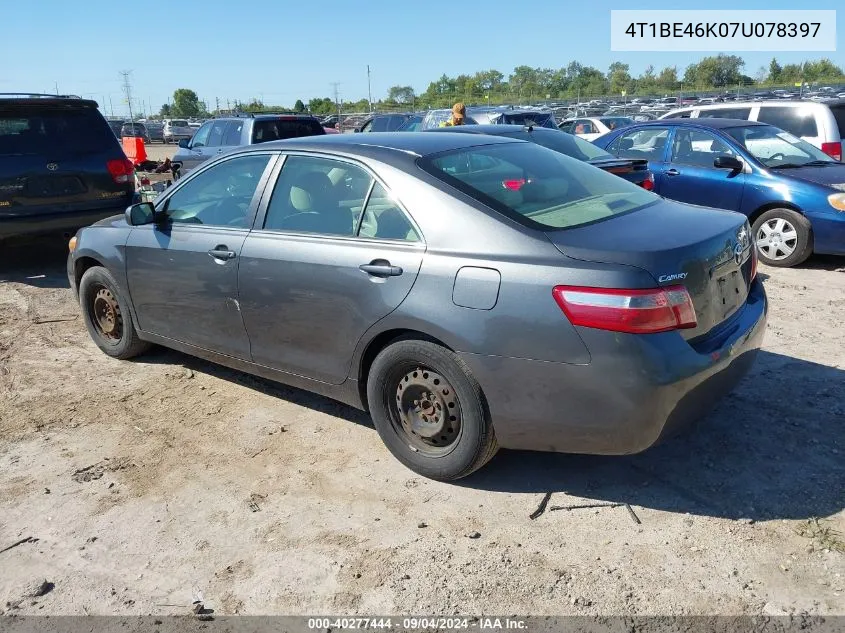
[[469, 292]]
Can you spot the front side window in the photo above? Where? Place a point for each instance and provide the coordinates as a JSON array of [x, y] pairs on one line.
[[694, 147], [798, 121], [201, 137], [777, 148], [219, 196], [535, 185], [647, 143], [318, 195]]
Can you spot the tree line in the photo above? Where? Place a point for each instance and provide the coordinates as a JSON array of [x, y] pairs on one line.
[[524, 84]]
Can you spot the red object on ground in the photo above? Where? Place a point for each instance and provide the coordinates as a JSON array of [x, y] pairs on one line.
[[134, 149]]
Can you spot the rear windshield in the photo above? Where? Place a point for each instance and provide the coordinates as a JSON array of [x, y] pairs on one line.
[[839, 114], [39, 131], [280, 129], [535, 185], [179, 124], [537, 119], [564, 143]]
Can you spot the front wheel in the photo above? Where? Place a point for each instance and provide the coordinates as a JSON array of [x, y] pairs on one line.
[[783, 237], [107, 315], [429, 410]]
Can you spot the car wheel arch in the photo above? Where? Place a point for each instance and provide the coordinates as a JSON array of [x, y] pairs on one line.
[[380, 342]]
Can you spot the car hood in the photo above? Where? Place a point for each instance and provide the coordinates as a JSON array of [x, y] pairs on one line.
[[830, 176]]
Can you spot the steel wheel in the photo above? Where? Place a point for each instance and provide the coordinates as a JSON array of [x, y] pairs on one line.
[[106, 312], [777, 239], [427, 412]]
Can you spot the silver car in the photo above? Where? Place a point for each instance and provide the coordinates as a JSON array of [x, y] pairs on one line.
[[176, 130], [469, 291]]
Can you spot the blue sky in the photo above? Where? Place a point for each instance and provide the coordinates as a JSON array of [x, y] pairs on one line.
[[280, 51]]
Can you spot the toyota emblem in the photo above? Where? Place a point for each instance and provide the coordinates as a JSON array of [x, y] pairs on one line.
[[52, 166]]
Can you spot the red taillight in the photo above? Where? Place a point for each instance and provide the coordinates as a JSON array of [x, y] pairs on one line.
[[122, 170], [627, 310], [648, 183], [834, 150], [514, 185]]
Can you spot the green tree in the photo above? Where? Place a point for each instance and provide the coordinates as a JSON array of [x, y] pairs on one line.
[[185, 103], [668, 78], [401, 94], [619, 78], [775, 70], [299, 106]]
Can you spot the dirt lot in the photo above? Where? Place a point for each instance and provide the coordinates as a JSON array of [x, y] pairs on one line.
[[140, 484]]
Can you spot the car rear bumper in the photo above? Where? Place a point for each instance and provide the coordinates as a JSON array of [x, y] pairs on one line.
[[635, 391], [53, 222]]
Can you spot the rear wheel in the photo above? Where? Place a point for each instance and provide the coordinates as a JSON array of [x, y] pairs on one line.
[[107, 315], [783, 237], [429, 410]]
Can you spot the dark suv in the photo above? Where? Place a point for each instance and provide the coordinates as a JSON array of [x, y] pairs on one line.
[[222, 134], [61, 166]]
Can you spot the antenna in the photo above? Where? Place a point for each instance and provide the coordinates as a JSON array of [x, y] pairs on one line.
[[127, 91]]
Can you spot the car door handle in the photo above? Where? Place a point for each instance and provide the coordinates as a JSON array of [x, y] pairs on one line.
[[381, 268], [222, 253], [672, 172]]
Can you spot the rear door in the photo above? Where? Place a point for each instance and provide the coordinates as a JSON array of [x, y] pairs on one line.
[[332, 254], [690, 176], [56, 159]]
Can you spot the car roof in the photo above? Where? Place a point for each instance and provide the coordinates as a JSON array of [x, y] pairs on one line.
[[708, 122], [387, 145]]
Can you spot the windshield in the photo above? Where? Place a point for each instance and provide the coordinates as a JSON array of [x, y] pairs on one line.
[[535, 185], [775, 148], [563, 143]]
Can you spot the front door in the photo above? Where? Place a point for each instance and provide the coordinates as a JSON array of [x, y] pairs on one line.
[[334, 254], [183, 270], [690, 176]]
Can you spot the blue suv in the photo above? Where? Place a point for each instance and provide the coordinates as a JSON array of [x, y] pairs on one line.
[[221, 134], [792, 193]]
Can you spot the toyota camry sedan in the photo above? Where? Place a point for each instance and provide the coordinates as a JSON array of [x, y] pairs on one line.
[[469, 291]]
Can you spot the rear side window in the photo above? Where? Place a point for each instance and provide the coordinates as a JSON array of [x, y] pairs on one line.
[[798, 121], [279, 129], [232, 135], [725, 113], [838, 112], [535, 185], [40, 130]]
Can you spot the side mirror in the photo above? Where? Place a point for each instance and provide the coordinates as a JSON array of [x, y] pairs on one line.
[[140, 214], [728, 162], [184, 143]]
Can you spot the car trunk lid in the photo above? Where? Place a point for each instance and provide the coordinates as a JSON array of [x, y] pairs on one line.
[[705, 250]]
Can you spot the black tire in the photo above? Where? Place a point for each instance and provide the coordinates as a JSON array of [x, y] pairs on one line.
[[779, 251], [107, 316], [468, 441]]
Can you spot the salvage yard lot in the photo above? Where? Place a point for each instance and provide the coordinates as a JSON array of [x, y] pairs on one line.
[[146, 482]]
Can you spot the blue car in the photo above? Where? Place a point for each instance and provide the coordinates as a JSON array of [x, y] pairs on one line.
[[792, 193]]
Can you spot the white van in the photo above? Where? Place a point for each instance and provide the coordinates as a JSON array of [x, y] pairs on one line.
[[820, 124]]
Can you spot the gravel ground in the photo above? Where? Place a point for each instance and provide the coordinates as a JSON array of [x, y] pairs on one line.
[[139, 485]]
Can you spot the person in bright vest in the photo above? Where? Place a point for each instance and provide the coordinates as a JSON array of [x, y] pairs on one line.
[[458, 115]]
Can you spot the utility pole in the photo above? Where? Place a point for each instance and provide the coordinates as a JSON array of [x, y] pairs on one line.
[[127, 91], [334, 86], [369, 89]]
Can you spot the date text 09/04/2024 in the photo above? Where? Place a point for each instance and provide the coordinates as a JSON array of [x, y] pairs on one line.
[[722, 29], [417, 623]]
